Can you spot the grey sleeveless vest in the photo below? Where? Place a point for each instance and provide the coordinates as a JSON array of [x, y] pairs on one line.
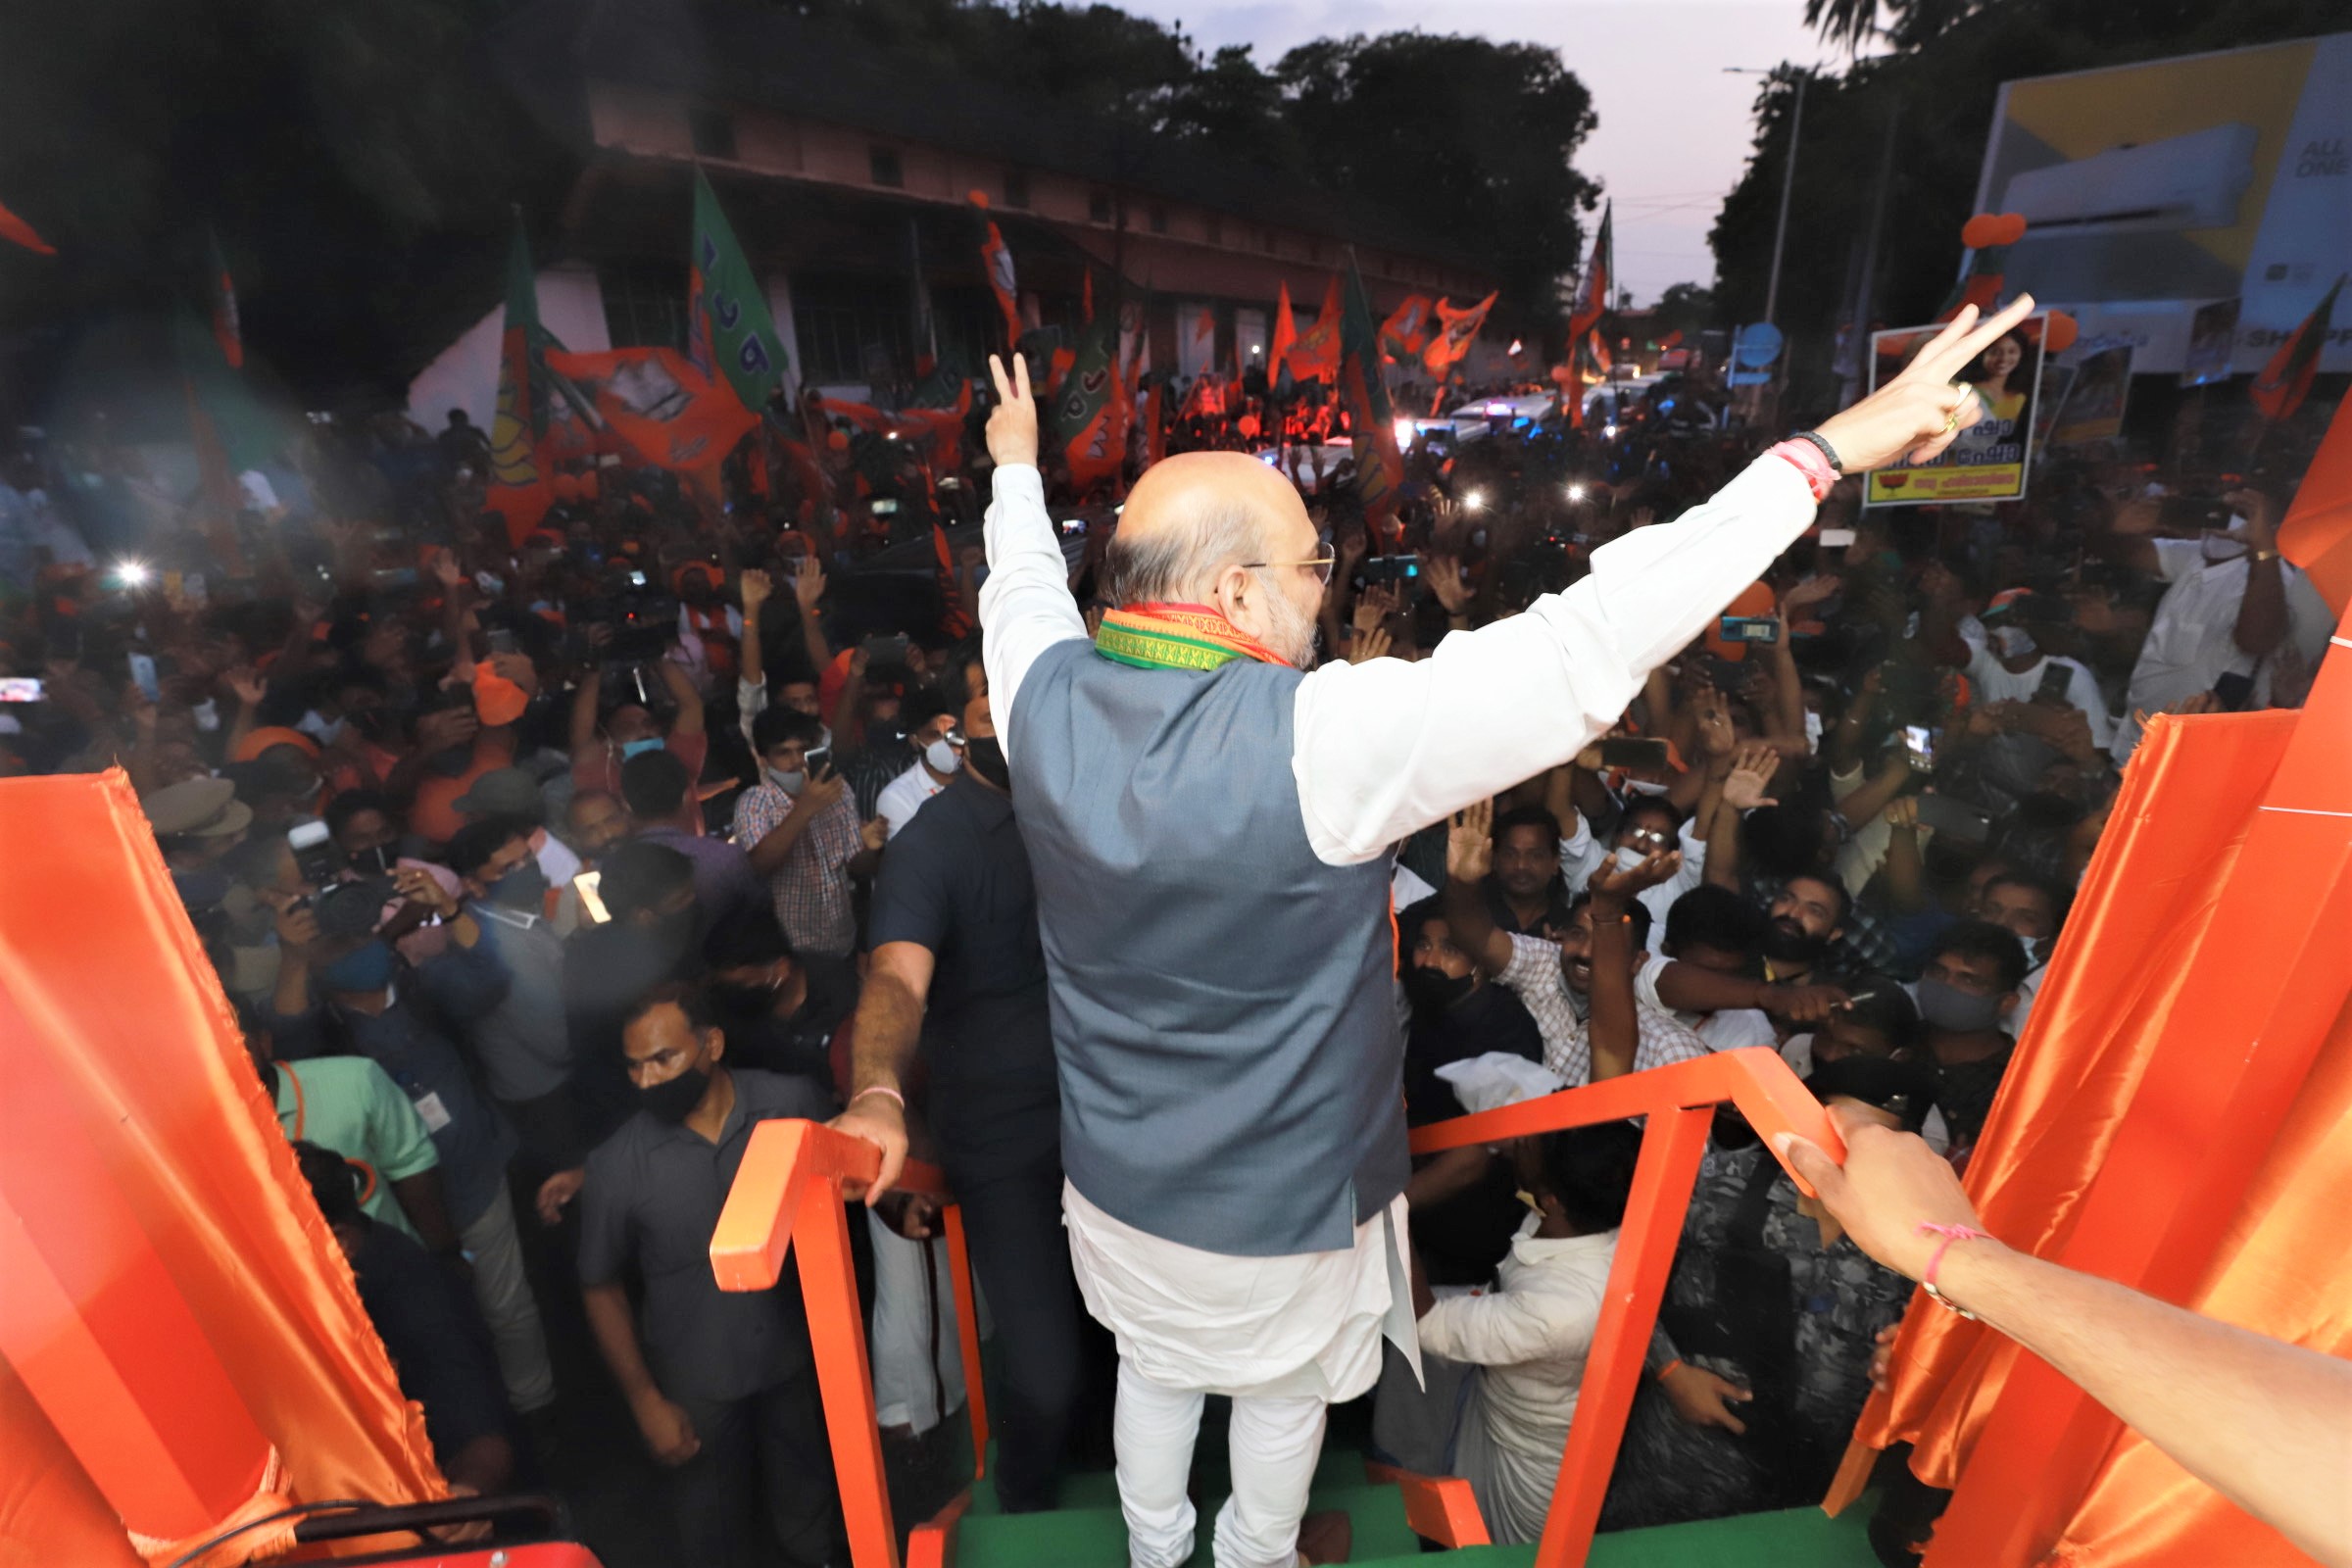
[[1232, 1072]]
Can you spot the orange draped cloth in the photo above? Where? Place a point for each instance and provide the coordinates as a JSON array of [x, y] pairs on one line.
[[179, 1334], [2177, 1118]]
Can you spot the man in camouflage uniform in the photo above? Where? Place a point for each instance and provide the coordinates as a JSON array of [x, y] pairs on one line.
[[1756, 1300]]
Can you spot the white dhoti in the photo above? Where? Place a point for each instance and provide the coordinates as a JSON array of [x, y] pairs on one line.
[[1283, 1336]]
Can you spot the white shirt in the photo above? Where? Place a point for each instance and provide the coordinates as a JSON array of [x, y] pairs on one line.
[[1582, 854], [1534, 976], [1991, 681], [904, 796], [1380, 751], [1531, 1334], [1729, 1029], [1384, 747], [2192, 641]]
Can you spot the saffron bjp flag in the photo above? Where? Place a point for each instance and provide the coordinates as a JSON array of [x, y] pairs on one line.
[[1406, 333], [16, 231], [731, 336], [1087, 411], [661, 407], [1379, 470], [995, 260], [1315, 357], [226, 330], [1593, 293], [520, 490], [2284, 383], [1456, 331], [1286, 335]]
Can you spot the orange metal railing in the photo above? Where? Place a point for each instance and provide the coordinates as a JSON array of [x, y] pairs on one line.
[[787, 1193]]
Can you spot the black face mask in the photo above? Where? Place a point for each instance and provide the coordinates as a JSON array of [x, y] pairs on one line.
[[1432, 991], [1787, 944], [984, 756], [674, 1100], [524, 888]]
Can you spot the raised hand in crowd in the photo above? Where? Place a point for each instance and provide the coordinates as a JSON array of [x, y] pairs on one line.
[[1012, 423], [1751, 774]]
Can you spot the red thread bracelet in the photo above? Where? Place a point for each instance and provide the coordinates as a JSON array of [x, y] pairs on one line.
[[1806, 458], [1927, 1277]]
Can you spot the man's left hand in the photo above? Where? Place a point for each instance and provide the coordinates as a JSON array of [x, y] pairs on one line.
[[1617, 887]]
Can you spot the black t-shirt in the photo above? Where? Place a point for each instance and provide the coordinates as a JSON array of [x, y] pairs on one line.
[[434, 1335], [801, 1043], [1488, 1019], [957, 881]]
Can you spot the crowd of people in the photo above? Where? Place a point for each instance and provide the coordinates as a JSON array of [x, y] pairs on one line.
[[541, 868]]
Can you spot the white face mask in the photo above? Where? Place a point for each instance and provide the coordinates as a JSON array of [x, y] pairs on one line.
[[1629, 858], [789, 783], [1812, 731], [2011, 642], [943, 758], [2221, 546]]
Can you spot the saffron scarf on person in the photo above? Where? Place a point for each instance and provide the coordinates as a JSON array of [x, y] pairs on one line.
[[1176, 637]]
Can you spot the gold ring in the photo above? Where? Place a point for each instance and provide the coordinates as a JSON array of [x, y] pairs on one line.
[[1951, 421]]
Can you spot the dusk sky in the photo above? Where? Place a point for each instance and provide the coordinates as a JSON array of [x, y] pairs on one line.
[[1674, 129]]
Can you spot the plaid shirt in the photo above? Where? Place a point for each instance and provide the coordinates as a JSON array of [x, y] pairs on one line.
[[811, 888], [1867, 948], [1534, 974]]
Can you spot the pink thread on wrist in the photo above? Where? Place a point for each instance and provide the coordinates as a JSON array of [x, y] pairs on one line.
[[1927, 1277], [879, 1088], [1806, 458]]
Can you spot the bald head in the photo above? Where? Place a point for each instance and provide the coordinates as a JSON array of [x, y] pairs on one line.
[[1193, 515]]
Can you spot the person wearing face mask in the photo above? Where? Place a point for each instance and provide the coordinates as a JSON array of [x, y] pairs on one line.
[[343, 989], [802, 831], [1966, 996], [958, 980], [722, 1383], [1455, 1013], [522, 1043], [781, 1008], [2031, 909], [630, 729], [2009, 663], [2233, 608], [938, 743]]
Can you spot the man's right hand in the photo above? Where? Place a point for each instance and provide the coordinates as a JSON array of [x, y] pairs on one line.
[[879, 1120], [668, 1431], [1013, 423], [1920, 410], [1804, 1003], [755, 586], [1703, 1399], [823, 788], [1470, 844]]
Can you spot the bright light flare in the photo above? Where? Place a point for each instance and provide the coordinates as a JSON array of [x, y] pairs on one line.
[[133, 574], [1474, 501], [1609, 432], [1576, 492], [1404, 433]]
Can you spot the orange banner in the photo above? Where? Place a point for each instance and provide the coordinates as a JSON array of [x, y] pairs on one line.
[[176, 1316]]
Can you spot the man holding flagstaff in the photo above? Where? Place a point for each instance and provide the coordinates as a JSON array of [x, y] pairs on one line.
[[1212, 824]]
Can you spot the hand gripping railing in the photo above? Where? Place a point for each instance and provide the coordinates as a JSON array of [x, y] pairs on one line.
[[788, 1192], [1678, 1101], [793, 1169]]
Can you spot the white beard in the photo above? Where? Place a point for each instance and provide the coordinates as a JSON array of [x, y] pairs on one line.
[[1291, 633]]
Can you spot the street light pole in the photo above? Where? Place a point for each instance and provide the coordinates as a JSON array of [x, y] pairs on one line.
[[1779, 234]]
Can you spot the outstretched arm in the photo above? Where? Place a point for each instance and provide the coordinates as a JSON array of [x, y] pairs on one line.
[[2268, 1425], [1025, 606], [1384, 747]]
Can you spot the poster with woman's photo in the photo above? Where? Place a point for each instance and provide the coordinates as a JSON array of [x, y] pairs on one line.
[[1988, 461]]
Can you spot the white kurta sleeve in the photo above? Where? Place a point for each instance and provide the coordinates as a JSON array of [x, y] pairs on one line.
[[1384, 747], [1025, 606]]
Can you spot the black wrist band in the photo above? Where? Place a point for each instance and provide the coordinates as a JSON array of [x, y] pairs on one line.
[[1827, 451]]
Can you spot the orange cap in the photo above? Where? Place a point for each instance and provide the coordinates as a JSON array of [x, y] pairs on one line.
[[255, 742], [495, 698]]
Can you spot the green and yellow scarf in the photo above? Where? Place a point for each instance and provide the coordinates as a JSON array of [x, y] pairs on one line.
[[1176, 637]]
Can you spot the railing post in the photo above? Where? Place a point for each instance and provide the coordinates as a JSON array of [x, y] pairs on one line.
[[1672, 1145], [844, 1379], [967, 1333]]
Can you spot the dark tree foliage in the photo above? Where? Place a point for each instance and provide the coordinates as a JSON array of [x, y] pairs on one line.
[[1935, 94]]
